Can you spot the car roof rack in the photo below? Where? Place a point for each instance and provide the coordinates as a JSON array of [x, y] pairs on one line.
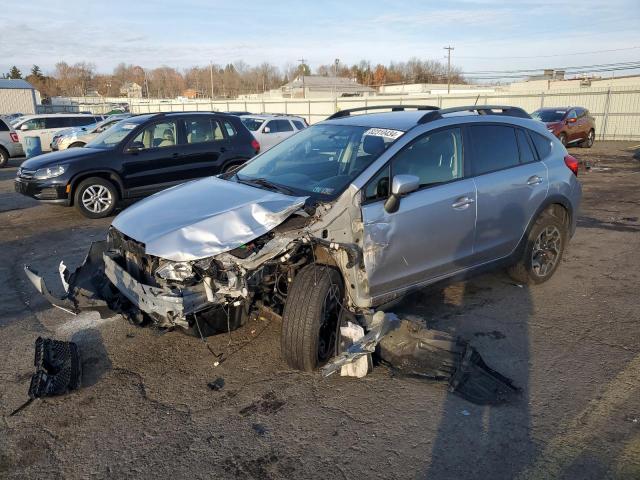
[[503, 110], [393, 108]]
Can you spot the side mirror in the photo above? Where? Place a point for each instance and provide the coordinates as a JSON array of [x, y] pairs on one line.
[[24, 127], [572, 120], [266, 130], [135, 147], [400, 186]]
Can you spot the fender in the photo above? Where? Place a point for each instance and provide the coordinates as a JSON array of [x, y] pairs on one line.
[[113, 175]]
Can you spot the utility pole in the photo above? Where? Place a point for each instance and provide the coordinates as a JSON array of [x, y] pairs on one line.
[[449, 48], [302, 64], [211, 77]]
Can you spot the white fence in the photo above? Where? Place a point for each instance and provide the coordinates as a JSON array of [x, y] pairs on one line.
[[617, 111]]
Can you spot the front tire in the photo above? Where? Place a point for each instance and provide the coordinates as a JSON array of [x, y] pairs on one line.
[[76, 145], [588, 142], [96, 197], [311, 317], [542, 252]]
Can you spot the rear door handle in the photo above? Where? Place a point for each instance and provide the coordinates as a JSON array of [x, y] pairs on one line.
[[462, 203], [534, 180]]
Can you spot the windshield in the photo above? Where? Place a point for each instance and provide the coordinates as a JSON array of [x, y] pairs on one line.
[[252, 124], [548, 115], [320, 161], [112, 136]]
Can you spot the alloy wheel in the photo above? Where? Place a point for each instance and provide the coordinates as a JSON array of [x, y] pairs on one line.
[[546, 251], [97, 198]]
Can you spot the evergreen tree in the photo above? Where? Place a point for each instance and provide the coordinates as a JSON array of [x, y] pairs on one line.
[[36, 72], [15, 73]]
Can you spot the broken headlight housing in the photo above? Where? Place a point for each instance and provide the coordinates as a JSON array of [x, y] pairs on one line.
[[175, 271]]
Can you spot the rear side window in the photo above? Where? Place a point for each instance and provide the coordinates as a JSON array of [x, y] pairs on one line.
[[203, 130], [542, 144], [3, 127], [494, 148], [229, 128], [526, 153], [299, 125]]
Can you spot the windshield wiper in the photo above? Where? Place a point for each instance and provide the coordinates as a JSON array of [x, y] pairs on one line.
[[263, 182]]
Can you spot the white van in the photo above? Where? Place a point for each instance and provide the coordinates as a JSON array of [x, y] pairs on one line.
[[45, 126]]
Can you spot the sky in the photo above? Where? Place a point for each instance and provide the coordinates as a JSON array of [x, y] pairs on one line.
[[487, 35]]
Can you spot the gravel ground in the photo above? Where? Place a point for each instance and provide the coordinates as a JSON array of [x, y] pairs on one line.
[[145, 410]]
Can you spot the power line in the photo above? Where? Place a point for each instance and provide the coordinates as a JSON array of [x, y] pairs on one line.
[[602, 65], [553, 55]]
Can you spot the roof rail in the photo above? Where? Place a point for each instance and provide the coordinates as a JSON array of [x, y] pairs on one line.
[[394, 108], [505, 110]]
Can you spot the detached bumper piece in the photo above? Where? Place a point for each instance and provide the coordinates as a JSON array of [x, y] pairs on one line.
[[417, 351], [58, 368], [411, 349]]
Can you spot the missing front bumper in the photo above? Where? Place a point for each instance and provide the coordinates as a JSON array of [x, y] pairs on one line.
[[101, 285]]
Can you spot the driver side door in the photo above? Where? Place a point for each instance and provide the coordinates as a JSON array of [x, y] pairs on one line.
[[431, 234]]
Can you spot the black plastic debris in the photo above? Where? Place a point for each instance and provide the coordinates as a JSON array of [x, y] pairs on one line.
[[217, 384], [414, 350], [58, 368]]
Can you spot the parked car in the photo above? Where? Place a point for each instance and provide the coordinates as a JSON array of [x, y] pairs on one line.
[[80, 136], [572, 125], [271, 129], [10, 145], [47, 125], [346, 216], [137, 157]]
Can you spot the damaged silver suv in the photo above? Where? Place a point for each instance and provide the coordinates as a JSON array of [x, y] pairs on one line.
[[337, 221]]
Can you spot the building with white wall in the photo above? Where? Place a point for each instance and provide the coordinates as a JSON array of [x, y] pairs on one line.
[[18, 96]]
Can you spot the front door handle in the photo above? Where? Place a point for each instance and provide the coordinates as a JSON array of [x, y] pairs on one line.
[[462, 203], [535, 180]]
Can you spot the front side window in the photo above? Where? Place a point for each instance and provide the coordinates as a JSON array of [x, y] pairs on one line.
[[433, 158], [321, 160], [494, 148], [113, 136], [158, 135]]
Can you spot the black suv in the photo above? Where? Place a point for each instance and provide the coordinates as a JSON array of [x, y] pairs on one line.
[[137, 157]]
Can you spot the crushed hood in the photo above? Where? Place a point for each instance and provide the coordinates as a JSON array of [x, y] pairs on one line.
[[203, 218]]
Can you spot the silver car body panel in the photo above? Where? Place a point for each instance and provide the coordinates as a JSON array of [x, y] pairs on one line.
[[203, 218]]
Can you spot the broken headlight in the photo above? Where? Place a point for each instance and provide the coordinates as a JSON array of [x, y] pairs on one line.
[[175, 271]]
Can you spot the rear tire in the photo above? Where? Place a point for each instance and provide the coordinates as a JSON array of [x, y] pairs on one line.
[[591, 138], [4, 158], [542, 252], [311, 316], [96, 197]]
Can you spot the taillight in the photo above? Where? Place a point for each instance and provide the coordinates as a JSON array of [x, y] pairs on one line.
[[255, 145], [572, 164], [14, 137]]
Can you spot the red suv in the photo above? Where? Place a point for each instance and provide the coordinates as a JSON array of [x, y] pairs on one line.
[[572, 125]]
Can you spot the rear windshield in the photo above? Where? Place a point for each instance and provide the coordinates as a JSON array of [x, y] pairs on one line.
[[548, 115], [252, 124]]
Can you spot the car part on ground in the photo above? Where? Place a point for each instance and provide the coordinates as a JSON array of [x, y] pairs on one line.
[[57, 366], [318, 230], [411, 349]]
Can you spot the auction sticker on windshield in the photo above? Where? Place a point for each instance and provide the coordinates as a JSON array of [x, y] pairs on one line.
[[384, 132]]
